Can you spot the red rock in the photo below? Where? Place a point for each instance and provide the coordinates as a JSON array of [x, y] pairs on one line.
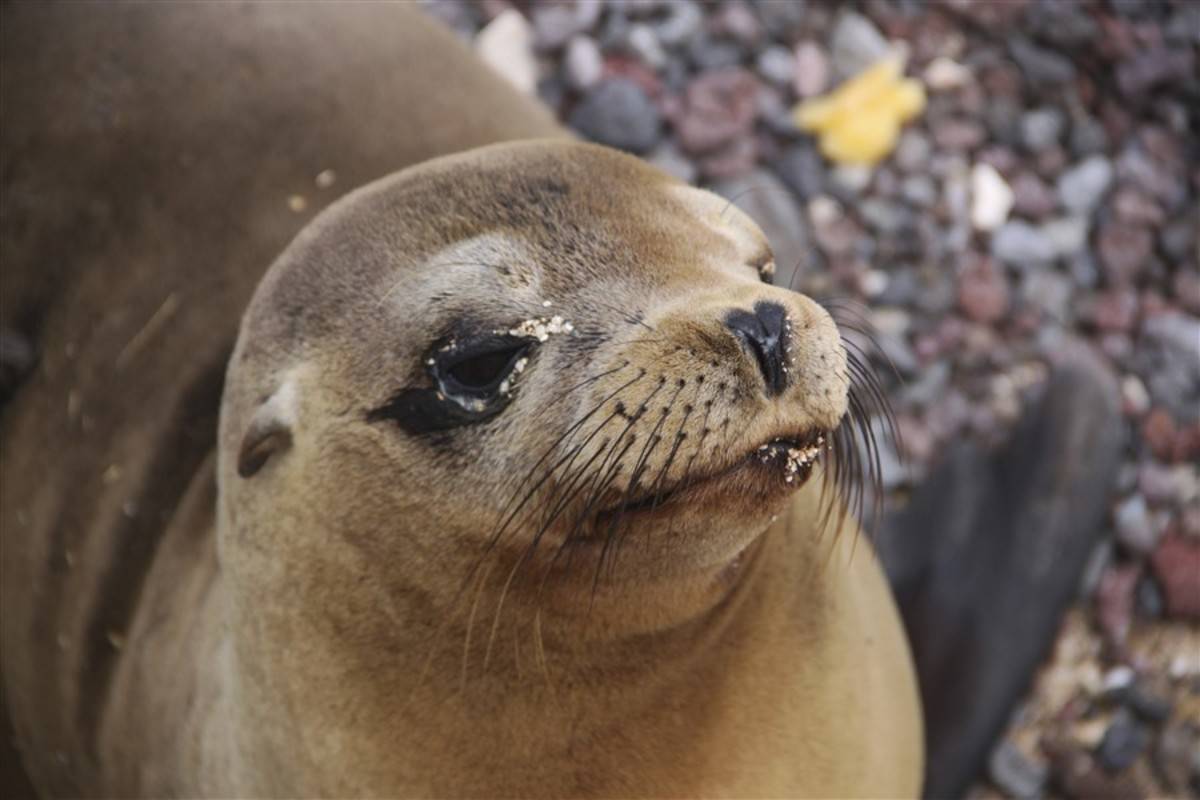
[[1031, 196], [1114, 601], [636, 71], [1136, 208], [1176, 563], [1114, 310], [1158, 431], [983, 292], [1187, 443], [719, 107], [1123, 251]]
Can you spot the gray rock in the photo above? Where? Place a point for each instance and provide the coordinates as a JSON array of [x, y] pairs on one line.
[[919, 190], [811, 69], [583, 63], [884, 216], [1049, 291], [644, 45], [802, 168], [1136, 531], [1082, 187], [1068, 235], [1041, 66], [777, 65], [1017, 775], [1169, 360], [1021, 245], [855, 44], [619, 114], [1184, 25], [1123, 742], [1088, 136], [554, 24], [708, 53], [767, 201], [1041, 128], [681, 23], [668, 158], [782, 18], [912, 151]]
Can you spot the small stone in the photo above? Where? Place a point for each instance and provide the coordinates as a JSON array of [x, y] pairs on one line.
[[1136, 208], [850, 179], [1114, 601], [919, 190], [1021, 245], [736, 20], [1175, 758], [1146, 704], [1081, 188], [1123, 251], [668, 158], [709, 53], [1158, 432], [506, 45], [1067, 235], [1135, 530], [991, 198], [643, 44], [983, 292], [958, 135], [583, 63], [1176, 564], [1048, 291], [682, 22], [1031, 196], [1016, 774], [777, 65], [1157, 481], [802, 169], [1114, 310], [618, 113], [1152, 67], [1041, 128], [719, 107], [730, 160], [297, 203], [1123, 742], [945, 73], [554, 24], [811, 70], [856, 44], [1148, 598], [1186, 288], [884, 216], [1135, 400], [1041, 66], [1088, 136], [325, 178]]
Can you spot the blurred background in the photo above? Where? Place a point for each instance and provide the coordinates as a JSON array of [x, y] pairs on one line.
[[1026, 183]]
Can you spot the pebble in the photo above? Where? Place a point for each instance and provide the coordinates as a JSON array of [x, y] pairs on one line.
[[1176, 564], [1154, 66], [554, 24], [991, 198], [855, 44], [944, 74], [802, 169], [1015, 773], [1146, 704], [709, 53], [1135, 400], [1123, 742], [736, 20], [719, 107], [912, 151], [983, 292], [1148, 598], [1114, 310], [1114, 601], [1042, 128], [1082, 187], [1050, 292], [1136, 532], [682, 21], [668, 158], [506, 45], [583, 63], [777, 65], [1175, 757], [1123, 251], [618, 113], [644, 45], [1067, 235], [1031, 196], [1022, 245], [1041, 66], [919, 190], [1088, 136], [811, 70]]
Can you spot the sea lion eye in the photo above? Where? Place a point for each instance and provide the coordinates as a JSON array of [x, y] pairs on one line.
[[479, 368]]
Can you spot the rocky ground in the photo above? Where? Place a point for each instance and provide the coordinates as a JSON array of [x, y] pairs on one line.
[[1050, 191]]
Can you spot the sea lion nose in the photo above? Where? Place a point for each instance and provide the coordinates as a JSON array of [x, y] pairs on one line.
[[765, 333]]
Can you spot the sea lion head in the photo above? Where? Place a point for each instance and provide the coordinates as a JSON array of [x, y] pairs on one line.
[[531, 351]]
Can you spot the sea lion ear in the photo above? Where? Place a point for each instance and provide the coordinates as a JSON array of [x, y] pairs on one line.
[[269, 431]]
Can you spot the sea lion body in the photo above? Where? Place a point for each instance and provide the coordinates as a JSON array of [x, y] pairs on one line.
[[296, 607]]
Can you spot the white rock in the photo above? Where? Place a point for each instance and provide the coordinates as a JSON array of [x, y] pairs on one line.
[[991, 198], [583, 63], [946, 73], [506, 45]]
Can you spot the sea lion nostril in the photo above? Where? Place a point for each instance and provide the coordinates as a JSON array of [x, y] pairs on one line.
[[764, 332]]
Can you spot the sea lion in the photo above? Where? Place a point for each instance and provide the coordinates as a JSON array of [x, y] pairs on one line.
[[518, 481]]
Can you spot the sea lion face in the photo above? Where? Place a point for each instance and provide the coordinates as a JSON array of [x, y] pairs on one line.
[[539, 349]]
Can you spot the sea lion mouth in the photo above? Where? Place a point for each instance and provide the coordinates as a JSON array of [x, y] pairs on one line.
[[778, 465]]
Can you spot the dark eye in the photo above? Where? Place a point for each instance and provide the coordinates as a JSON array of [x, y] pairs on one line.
[[483, 371]]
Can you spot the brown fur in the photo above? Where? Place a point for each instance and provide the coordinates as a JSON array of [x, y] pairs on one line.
[[326, 625]]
